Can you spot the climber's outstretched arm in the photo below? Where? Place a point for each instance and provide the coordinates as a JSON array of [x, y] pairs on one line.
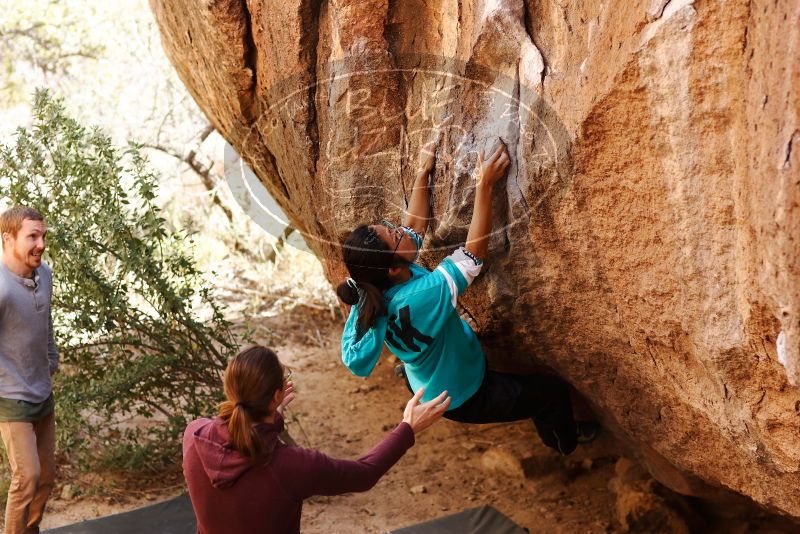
[[417, 214], [488, 173]]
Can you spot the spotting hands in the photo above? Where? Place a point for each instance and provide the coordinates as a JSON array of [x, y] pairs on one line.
[[422, 415], [288, 396], [494, 168]]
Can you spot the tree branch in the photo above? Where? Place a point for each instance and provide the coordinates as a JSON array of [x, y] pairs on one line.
[[204, 173], [211, 183]]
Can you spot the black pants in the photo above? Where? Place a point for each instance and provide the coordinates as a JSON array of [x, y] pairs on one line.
[[505, 397]]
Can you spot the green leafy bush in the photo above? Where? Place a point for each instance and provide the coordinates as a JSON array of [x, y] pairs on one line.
[[142, 340]]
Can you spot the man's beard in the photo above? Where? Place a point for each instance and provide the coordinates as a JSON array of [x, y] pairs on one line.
[[29, 259]]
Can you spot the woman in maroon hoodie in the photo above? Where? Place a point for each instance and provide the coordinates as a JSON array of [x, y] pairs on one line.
[[242, 479]]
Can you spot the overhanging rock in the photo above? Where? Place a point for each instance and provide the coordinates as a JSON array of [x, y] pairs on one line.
[[645, 241]]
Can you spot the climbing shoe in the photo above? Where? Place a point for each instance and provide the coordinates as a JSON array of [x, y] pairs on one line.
[[587, 431]]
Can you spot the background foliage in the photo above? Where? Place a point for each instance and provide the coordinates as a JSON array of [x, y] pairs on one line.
[[106, 61], [140, 335], [45, 41]]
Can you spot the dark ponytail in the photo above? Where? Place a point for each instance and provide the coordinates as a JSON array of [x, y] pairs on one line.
[[251, 381], [348, 293], [368, 259]]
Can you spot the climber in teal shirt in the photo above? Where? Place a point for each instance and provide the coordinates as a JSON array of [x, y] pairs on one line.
[[413, 311], [423, 329]]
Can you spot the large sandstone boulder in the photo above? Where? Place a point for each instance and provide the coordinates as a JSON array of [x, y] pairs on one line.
[[646, 238]]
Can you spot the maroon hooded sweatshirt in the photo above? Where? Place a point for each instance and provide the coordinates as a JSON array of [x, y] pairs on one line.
[[229, 495]]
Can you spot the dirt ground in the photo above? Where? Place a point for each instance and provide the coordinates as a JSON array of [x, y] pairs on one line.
[[444, 473], [452, 467]]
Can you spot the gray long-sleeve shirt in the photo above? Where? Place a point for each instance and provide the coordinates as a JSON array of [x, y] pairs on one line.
[[28, 353]]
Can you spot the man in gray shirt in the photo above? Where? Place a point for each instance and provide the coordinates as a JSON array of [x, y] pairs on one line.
[[28, 359]]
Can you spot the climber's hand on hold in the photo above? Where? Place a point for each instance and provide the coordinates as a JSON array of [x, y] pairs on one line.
[[417, 214], [489, 172], [494, 168], [427, 156]]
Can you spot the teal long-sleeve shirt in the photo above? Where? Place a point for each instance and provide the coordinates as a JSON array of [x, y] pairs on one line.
[[423, 329]]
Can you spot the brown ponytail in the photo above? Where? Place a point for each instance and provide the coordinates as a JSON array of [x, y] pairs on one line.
[[251, 381], [368, 259]]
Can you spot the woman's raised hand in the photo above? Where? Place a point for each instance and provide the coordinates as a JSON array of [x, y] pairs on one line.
[[288, 396], [422, 415], [491, 170]]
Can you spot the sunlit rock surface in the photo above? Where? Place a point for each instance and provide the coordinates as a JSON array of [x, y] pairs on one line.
[[646, 238]]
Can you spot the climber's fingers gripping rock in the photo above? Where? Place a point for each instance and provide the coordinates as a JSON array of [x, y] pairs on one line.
[[491, 170], [427, 156]]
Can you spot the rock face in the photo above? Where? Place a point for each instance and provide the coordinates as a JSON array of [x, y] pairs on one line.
[[646, 238]]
